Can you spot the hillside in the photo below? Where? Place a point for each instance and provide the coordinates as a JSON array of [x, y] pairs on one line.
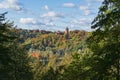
[[42, 44], [27, 53]]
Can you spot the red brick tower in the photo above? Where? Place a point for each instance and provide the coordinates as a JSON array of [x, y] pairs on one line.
[[67, 32]]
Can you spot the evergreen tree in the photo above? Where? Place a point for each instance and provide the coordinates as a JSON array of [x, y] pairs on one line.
[[5, 38], [13, 58], [21, 69]]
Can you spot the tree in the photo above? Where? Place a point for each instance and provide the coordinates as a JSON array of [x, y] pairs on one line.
[[20, 69], [103, 63], [105, 42], [38, 69], [5, 38], [78, 67], [14, 63], [51, 74]]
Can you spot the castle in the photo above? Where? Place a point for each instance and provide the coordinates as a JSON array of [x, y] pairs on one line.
[[67, 30], [67, 33]]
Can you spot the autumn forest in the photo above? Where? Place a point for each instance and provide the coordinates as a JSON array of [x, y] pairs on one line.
[[63, 55]]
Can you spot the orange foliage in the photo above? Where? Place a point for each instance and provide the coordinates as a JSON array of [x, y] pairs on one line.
[[36, 55]]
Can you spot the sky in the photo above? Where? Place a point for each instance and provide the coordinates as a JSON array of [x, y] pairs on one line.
[[51, 15]]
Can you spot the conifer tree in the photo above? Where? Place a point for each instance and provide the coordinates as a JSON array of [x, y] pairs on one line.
[[14, 62]]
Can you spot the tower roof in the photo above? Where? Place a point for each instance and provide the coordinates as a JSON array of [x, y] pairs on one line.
[[66, 28]]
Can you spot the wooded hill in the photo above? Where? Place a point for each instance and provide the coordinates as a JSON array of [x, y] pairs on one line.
[[69, 55], [42, 44]]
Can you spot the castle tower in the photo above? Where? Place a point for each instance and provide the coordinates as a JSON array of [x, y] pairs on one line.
[[67, 32]]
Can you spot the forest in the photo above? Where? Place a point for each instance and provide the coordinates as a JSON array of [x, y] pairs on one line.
[[63, 55]]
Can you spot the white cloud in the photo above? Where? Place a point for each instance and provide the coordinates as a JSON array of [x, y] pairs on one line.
[[69, 5], [28, 21], [52, 14], [45, 7], [87, 12], [12, 1], [81, 22], [11, 4], [85, 9], [49, 22], [95, 0], [32, 21]]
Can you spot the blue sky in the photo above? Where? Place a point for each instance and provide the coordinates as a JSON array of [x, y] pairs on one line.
[[51, 14]]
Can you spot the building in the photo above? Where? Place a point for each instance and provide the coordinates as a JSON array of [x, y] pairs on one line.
[[67, 33]]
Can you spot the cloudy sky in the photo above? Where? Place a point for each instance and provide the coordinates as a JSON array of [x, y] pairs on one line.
[[51, 14]]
